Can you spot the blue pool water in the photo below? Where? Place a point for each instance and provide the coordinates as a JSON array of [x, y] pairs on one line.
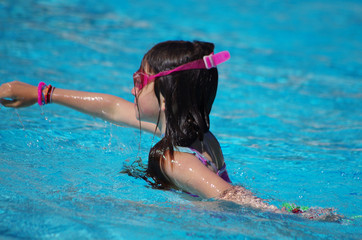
[[287, 114]]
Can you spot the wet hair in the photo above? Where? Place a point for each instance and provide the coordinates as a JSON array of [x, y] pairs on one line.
[[188, 95]]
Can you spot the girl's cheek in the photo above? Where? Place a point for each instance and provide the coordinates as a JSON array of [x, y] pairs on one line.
[[148, 109]]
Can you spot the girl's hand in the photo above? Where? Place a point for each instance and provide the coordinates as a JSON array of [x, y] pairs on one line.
[[18, 94]]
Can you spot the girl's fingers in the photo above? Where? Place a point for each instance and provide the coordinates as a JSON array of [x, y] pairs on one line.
[[17, 94], [8, 102]]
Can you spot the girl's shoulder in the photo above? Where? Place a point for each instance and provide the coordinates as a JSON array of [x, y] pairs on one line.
[[187, 172]]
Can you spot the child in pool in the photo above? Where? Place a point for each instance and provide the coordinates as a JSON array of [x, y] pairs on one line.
[[174, 90]]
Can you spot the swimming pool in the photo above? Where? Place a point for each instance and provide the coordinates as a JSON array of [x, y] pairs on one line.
[[287, 114]]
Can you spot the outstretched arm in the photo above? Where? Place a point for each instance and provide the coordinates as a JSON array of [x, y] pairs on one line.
[[108, 107]]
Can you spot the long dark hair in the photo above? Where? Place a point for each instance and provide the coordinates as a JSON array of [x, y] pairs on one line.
[[188, 95]]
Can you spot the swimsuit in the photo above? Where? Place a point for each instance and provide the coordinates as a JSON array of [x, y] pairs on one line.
[[221, 172]]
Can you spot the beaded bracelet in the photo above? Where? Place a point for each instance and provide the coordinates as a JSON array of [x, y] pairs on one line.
[[44, 97]]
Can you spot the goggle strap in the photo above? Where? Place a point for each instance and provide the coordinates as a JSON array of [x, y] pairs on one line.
[[207, 62], [213, 60]]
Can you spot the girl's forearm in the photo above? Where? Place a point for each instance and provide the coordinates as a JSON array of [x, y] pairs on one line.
[[242, 196], [107, 107], [95, 104]]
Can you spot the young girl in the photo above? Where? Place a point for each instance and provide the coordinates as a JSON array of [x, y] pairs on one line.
[[174, 90]]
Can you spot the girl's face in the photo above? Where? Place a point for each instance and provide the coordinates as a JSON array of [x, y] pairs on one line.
[[148, 107]]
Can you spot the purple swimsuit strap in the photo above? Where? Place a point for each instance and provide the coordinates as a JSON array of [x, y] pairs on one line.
[[204, 160]]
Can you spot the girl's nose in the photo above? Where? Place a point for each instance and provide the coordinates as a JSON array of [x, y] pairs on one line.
[[133, 91]]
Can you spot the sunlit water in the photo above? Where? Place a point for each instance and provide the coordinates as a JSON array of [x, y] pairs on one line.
[[287, 114]]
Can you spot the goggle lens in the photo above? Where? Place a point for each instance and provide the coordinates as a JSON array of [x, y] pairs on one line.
[[139, 79]]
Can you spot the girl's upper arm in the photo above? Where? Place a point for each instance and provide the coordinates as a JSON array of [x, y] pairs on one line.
[[124, 112], [190, 175]]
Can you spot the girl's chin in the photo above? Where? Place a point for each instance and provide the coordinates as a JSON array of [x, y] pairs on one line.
[[137, 113]]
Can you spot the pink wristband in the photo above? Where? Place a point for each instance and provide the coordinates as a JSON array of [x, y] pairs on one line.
[[40, 94]]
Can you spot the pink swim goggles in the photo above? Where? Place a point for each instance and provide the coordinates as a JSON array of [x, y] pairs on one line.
[[141, 79]]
